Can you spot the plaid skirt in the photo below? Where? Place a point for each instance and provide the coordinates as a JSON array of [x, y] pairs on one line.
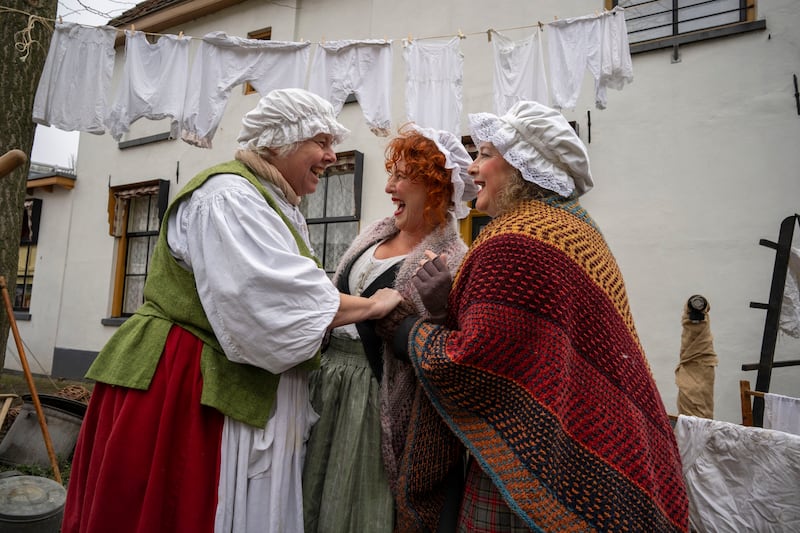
[[483, 509]]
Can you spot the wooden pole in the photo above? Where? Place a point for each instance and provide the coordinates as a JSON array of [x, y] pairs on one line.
[[29, 378], [11, 160]]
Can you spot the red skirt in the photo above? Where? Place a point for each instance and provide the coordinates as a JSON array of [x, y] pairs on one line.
[[149, 460]]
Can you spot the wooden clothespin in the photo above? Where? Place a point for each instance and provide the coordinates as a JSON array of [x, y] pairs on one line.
[[60, 20], [322, 41], [180, 34], [461, 34], [541, 26], [409, 37], [555, 17], [489, 34], [133, 28]]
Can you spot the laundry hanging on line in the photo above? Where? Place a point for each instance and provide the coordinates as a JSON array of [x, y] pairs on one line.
[[433, 96]]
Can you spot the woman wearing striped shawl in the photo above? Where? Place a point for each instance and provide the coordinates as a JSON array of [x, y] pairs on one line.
[[538, 369]]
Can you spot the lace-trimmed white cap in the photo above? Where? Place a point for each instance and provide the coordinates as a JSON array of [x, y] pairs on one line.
[[539, 142], [287, 116], [457, 160]]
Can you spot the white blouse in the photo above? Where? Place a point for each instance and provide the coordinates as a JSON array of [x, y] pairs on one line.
[[268, 305]]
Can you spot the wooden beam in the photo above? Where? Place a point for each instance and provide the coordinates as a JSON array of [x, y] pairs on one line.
[[48, 183]]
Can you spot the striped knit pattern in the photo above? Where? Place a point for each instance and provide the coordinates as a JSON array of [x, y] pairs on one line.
[[542, 377]]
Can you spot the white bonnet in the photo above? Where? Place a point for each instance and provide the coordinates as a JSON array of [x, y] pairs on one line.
[[286, 116], [457, 160], [539, 142]]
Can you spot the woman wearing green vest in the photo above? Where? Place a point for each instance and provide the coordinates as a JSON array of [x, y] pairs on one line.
[[200, 414]]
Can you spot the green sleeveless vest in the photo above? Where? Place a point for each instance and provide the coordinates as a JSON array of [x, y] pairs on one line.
[[130, 357]]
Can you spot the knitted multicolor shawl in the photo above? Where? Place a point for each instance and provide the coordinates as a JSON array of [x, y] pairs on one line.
[[541, 375]]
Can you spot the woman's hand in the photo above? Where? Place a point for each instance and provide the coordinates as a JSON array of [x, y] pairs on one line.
[[357, 309], [384, 300], [433, 281]]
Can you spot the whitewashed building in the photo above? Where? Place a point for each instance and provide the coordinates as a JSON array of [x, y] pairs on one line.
[[694, 163]]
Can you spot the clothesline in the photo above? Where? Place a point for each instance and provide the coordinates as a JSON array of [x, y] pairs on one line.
[[25, 40], [77, 77]]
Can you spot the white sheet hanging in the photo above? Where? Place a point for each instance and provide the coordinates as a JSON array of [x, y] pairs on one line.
[[363, 68], [434, 84], [782, 413], [153, 83], [616, 67], [739, 478], [790, 309], [519, 71], [223, 62], [75, 80]]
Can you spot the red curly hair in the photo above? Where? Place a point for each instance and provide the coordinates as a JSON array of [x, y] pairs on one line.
[[424, 164]]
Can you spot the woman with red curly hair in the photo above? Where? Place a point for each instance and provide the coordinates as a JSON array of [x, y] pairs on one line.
[[347, 479]]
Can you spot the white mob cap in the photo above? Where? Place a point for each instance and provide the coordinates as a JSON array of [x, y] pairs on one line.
[[287, 116], [539, 142], [457, 160]]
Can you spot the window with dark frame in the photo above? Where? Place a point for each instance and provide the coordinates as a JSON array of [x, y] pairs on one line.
[[135, 213], [333, 211], [264, 34], [26, 265], [656, 24]]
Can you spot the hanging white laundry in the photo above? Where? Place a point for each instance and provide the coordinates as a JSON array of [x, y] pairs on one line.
[[76, 78], [434, 82], [519, 71], [223, 62], [739, 478], [616, 67], [782, 413], [573, 45], [790, 309], [153, 82], [363, 68], [599, 44]]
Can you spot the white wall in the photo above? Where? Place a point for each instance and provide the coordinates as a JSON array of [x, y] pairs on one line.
[[694, 163], [38, 335]]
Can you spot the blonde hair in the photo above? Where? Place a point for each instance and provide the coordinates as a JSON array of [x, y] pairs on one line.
[[519, 190]]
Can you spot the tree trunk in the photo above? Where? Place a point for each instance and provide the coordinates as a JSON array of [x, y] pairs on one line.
[[19, 79]]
